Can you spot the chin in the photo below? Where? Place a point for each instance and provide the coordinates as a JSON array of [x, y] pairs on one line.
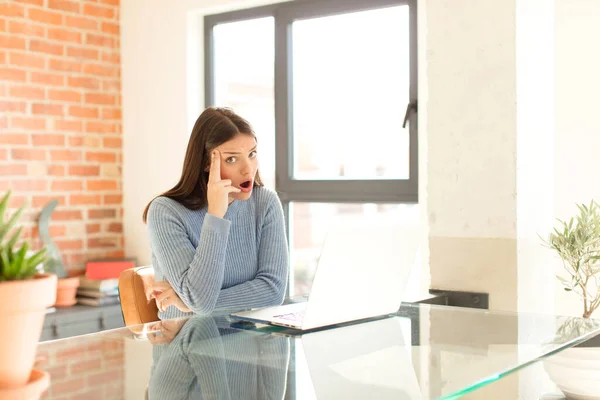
[[241, 196]]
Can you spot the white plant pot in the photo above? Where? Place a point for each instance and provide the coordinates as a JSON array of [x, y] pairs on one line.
[[576, 372]]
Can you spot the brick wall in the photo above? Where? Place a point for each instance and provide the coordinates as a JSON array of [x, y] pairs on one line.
[[90, 368], [60, 120]]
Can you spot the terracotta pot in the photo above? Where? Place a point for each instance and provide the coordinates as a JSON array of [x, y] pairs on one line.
[[22, 311], [66, 290]]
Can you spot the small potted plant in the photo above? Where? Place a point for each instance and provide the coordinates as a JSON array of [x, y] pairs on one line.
[[66, 289], [576, 371], [24, 296]]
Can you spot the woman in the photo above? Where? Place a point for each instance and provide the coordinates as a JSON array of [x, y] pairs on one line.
[[218, 238]]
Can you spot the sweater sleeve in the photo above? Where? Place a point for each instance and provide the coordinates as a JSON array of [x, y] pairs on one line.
[[186, 268], [268, 286]]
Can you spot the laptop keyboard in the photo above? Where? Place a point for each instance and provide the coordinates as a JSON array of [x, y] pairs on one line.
[[295, 316]]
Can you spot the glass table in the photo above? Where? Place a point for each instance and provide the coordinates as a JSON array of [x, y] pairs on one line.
[[421, 352]]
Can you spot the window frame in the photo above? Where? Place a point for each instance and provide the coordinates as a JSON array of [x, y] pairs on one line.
[[320, 191]]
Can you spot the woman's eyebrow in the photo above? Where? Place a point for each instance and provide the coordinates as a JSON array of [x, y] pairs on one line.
[[237, 152]]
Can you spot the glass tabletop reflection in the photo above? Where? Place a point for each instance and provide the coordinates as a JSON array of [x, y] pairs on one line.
[[421, 352]]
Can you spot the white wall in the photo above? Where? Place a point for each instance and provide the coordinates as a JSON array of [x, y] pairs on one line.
[[577, 122]]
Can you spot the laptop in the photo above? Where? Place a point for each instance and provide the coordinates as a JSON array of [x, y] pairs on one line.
[[362, 273], [372, 360]]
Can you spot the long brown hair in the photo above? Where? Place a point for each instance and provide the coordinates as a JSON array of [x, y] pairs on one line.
[[215, 126]]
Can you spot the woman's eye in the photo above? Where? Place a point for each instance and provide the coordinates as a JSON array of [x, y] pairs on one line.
[[230, 160], [253, 154]]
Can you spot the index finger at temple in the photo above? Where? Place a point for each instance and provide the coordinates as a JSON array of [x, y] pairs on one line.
[[215, 166]]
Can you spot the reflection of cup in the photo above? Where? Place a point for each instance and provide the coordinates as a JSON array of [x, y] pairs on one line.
[[209, 359]]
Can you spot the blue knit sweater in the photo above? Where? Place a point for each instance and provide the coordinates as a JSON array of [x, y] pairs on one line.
[[236, 262]]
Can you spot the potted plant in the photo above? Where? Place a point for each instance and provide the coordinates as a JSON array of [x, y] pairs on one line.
[[24, 296], [576, 371], [66, 289]]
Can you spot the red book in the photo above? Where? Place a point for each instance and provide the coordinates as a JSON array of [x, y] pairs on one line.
[[107, 269]]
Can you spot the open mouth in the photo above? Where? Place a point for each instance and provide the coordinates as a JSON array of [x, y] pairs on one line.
[[246, 186]]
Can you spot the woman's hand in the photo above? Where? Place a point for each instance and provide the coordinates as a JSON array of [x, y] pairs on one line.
[[168, 330], [218, 189], [165, 296]]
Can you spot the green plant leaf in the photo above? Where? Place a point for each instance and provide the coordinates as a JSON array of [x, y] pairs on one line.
[[5, 228]]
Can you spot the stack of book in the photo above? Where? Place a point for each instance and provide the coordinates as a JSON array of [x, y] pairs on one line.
[[98, 292]]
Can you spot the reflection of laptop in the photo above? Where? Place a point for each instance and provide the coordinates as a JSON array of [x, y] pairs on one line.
[[362, 273], [362, 361]]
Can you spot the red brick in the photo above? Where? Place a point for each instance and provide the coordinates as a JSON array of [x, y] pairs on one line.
[[100, 157], [85, 141], [65, 155], [27, 60], [98, 11], [12, 10], [112, 28], [82, 53], [42, 46], [28, 123], [87, 83], [111, 57], [100, 127], [64, 95], [84, 199], [64, 65], [47, 17], [99, 98], [115, 227], [86, 366], [13, 169], [102, 242], [93, 394], [47, 79], [48, 140], [111, 86], [113, 199], [3, 58], [92, 228], [64, 5], [56, 170], [12, 42], [66, 215], [115, 3], [13, 106], [3, 155], [30, 185], [81, 23], [73, 244], [14, 138], [112, 143], [84, 170], [47, 109], [11, 74], [103, 213], [100, 40], [64, 35], [67, 186], [68, 126], [27, 92], [26, 28], [111, 113], [102, 185], [84, 112], [101, 70], [39, 201], [28, 154]]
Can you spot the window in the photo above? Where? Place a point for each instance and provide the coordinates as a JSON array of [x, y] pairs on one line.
[[330, 87]]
